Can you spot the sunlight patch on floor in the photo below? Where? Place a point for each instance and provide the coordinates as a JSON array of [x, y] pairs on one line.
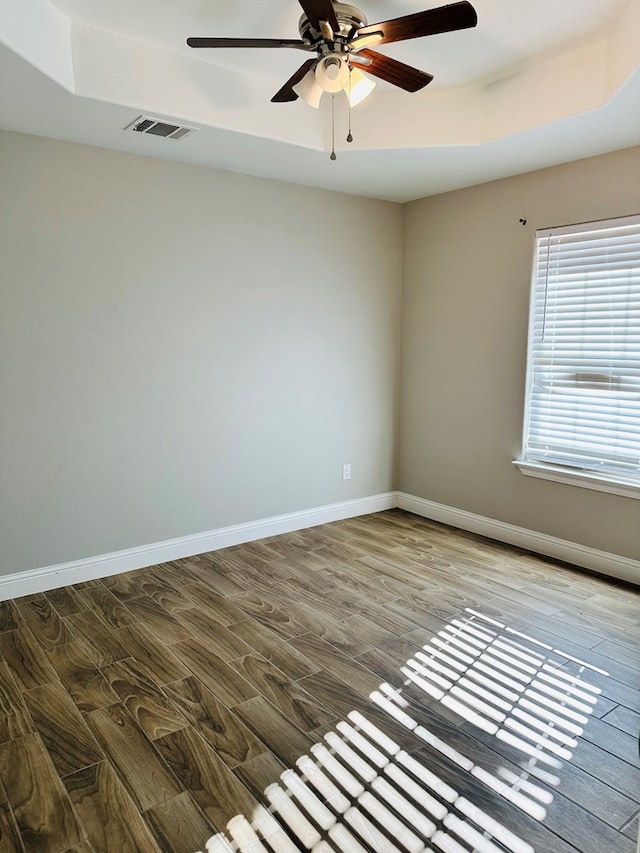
[[358, 790]]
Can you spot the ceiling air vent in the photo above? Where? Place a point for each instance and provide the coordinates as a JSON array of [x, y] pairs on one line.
[[159, 127]]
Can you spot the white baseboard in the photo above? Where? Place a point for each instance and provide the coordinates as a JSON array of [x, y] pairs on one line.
[[604, 562], [65, 574]]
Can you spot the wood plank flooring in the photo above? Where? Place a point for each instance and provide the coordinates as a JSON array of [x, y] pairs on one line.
[[383, 683]]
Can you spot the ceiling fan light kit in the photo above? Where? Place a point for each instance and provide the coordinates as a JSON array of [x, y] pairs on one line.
[[341, 38], [358, 87]]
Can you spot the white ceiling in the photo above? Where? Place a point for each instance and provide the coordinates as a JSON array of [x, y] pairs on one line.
[[529, 87], [505, 35]]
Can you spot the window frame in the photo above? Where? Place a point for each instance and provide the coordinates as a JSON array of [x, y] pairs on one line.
[[604, 481]]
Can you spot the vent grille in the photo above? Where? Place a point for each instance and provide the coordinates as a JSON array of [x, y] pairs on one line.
[[159, 127]]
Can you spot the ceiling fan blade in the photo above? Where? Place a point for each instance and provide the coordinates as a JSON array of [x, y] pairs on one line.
[[216, 42], [405, 76], [320, 10], [445, 19], [286, 93]]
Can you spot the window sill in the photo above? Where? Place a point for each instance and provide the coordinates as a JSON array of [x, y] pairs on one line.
[[586, 480]]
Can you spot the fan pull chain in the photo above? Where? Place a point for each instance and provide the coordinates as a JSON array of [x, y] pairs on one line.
[[349, 135], [333, 127]]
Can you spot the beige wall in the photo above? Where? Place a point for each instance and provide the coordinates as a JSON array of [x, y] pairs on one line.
[[183, 349], [467, 266]]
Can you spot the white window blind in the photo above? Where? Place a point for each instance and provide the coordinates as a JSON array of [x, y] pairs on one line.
[[583, 385]]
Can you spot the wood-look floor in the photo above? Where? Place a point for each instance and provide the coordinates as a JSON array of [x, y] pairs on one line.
[[347, 688]]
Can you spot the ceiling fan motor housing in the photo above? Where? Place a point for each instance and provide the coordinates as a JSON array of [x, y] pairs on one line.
[[350, 19]]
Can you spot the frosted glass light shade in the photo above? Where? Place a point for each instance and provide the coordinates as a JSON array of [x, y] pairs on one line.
[[309, 90], [359, 87]]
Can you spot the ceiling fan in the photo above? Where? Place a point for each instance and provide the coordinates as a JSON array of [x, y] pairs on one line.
[[342, 38]]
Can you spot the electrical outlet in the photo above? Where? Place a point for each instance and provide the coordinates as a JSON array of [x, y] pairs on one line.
[[346, 471]]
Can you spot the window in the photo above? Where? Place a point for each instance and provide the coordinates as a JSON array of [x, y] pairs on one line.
[[582, 409]]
